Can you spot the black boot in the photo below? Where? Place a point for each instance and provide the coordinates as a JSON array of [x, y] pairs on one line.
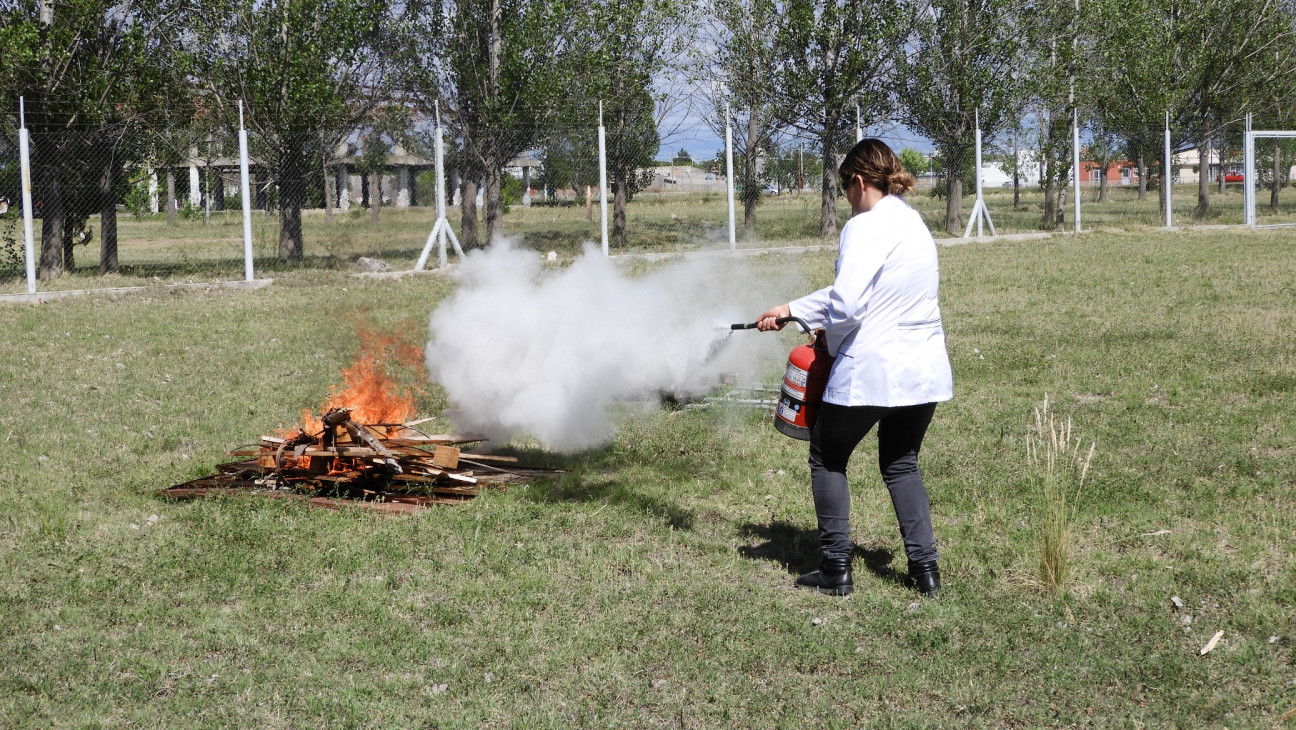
[[926, 577], [833, 577]]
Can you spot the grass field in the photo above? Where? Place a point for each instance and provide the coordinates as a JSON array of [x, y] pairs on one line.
[[193, 249], [651, 586]]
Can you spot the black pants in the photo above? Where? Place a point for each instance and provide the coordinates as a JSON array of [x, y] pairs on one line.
[[837, 432]]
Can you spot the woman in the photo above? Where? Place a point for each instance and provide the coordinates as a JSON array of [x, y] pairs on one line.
[[882, 324]]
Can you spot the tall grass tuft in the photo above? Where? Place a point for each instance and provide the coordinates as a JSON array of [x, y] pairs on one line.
[[1060, 469]]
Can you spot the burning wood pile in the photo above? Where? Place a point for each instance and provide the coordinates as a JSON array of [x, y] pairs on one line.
[[362, 451], [385, 467]]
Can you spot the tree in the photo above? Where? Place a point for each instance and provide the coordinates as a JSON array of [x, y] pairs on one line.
[[82, 67], [682, 157], [1103, 150], [832, 55], [745, 59], [626, 44], [913, 161], [1220, 60], [1054, 32], [306, 70], [966, 58], [496, 67]]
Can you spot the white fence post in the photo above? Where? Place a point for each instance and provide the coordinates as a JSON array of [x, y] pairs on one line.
[[1248, 174], [1075, 162], [1167, 177], [248, 272], [24, 160], [729, 184], [603, 180]]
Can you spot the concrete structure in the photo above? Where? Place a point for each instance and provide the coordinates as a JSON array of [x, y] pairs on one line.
[[1187, 163], [685, 179]]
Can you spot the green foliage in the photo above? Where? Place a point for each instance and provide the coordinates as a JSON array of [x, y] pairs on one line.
[[137, 199], [914, 161], [12, 262], [307, 71], [511, 191], [943, 91]]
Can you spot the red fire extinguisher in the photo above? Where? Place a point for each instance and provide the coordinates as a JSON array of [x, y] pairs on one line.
[[804, 381]]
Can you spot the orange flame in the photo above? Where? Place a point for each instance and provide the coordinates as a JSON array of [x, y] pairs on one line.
[[369, 392], [366, 388]]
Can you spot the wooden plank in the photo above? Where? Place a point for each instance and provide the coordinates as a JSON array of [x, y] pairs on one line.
[[489, 457], [446, 457]]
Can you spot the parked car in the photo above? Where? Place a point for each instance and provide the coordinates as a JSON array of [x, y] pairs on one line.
[[1232, 176]]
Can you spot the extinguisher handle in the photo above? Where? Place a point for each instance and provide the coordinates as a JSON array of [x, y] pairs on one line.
[[781, 320]]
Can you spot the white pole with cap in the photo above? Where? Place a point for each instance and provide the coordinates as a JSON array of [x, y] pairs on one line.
[[244, 186], [729, 173], [24, 160], [602, 140]]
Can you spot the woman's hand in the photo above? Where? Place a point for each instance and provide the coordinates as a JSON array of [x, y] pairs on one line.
[[766, 323]]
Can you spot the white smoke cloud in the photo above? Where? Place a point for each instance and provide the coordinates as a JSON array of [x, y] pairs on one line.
[[524, 350]]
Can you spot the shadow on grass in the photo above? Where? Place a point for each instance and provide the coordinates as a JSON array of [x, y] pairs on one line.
[[797, 549], [586, 481]]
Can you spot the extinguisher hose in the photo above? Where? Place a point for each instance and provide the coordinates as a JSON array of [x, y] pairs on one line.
[[781, 320]]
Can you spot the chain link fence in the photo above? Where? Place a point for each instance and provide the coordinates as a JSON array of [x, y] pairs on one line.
[[144, 200]]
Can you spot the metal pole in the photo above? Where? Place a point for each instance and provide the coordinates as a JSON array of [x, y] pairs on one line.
[[1248, 173], [603, 179], [1075, 161], [244, 186], [729, 186], [859, 131], [976, 211], [440, 188], [1166, 177], [24, 159]]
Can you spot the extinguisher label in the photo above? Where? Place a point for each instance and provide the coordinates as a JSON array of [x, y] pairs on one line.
[[795, 376], [788, 410]]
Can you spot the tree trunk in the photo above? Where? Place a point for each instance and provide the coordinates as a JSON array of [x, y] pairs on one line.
[[1050, 191], [1203, 181], [291, 171], [493, 197], [171, 199], [1060, 220], [1142, 174], [1102, 184], [1016, 174], [954, 195], [1219, 183], [751, 186], [53, 216], [1277, 171], [468, 213], [829, 188], [107, 214], [375, 194], [218, 191], [330, 191], [619, 208]]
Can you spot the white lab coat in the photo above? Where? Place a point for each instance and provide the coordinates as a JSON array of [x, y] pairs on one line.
[[881, 318]]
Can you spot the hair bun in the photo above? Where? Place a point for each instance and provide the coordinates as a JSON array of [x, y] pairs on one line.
[[899, 181]]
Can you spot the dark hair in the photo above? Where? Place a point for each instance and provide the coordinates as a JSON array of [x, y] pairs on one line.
[[873, 161]]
